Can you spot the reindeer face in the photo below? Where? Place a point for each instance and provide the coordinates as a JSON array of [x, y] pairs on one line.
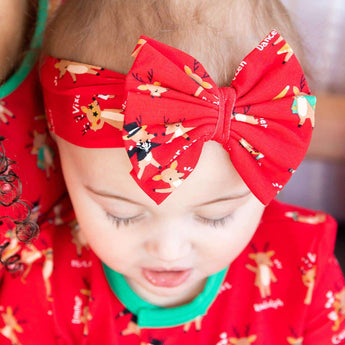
[[142, 136], [171, 175], [173, 127], [263, 259], [93, 113]]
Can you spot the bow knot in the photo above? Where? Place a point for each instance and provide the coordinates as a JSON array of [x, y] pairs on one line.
[[227, 98]]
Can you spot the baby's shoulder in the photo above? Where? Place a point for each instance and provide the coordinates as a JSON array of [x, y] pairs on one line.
[[292, 229]]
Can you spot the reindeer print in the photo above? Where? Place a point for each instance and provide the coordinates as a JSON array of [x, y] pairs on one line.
[[304, 106], [336, 301], [318, 218], [45, 155], [196, 321], [256, 154], [308, 270], [4, 112], [74, 68], [29, 255], [246, 340], [198, 79], [285, 49], [171, 176], [143, 148], [264, 275], [98, 117], [176, 129], [155, 89], [11, 327], [78, 238], [85, 318], [294, 340], [132, 327]]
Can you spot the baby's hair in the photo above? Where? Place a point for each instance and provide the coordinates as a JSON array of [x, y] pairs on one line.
[[217, 33]]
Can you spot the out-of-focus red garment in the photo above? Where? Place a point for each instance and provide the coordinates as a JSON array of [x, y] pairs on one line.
[[296, 296]]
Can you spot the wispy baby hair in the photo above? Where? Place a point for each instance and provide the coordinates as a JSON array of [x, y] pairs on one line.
[[217, 33]]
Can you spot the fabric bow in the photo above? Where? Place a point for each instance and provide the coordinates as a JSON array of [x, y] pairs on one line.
[[264, 119], [168, 106]]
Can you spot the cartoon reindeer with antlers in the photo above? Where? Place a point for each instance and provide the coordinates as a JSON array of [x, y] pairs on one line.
[[4, 112], [295, 340], [263, 272], [308, 270], [198, 79], [246, 340], [176, 129], [303, 104], [29, 255], [171, 176], [11, 326], [155, 88], [144, 146], [74, 68], [98, 117]]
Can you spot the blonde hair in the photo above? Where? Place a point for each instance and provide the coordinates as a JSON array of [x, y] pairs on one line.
[[218, 33]]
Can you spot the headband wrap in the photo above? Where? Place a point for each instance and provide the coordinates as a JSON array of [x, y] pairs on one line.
[[167, 106]]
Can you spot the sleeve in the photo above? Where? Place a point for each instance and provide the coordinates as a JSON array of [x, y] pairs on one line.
[[326, 314]]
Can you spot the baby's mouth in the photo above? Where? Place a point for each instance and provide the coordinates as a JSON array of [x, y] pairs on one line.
[[166, 278]]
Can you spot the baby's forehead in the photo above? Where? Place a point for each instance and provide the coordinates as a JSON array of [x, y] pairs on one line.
[[109, 169]]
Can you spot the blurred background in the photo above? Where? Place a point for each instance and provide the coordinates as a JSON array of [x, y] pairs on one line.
[[319, 183]]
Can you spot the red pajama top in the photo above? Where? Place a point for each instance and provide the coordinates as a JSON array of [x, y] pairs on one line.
[[285, 287]]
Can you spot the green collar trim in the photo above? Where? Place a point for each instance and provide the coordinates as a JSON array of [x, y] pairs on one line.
[[152, 316], [31, 56]]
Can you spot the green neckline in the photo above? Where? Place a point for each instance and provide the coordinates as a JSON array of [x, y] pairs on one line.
[[31, 56], [152, 316]]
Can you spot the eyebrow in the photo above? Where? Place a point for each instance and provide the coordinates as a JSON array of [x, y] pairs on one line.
[[118, 197], [113, 196], [226, 198]]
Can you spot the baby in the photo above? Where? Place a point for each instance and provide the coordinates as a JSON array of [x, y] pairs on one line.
[[172, 158]]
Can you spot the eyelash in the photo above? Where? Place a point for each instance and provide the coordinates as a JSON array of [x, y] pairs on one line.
[[120, 221], [215, 222], [127, 221]]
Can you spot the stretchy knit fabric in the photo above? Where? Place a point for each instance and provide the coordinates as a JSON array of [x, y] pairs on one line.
[[286, 287]]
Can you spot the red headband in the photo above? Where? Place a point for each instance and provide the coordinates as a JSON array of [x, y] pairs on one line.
[[168, 106]]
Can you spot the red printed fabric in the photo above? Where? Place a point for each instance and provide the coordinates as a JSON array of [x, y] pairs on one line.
[[297, 297], [168, 106]]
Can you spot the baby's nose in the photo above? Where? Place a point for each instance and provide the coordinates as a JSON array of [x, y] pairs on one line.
[[169, 245]]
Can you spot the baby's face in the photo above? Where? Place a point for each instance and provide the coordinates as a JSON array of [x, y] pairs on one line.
[[198, 230]]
